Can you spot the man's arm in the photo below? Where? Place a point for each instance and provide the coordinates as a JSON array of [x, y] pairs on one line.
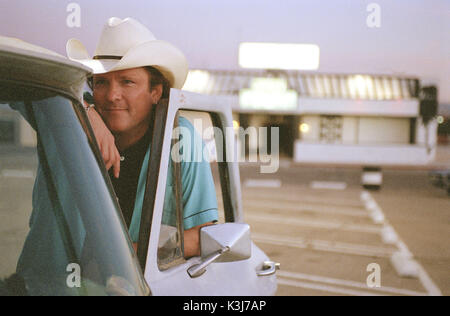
[[198, 189], [191, 241], [105, 141]]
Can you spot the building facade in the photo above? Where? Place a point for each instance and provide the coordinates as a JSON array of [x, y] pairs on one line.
[[14, 129], [329, 118]]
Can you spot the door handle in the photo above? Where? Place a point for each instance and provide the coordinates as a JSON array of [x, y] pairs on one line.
[[198, 269], [268, 268]]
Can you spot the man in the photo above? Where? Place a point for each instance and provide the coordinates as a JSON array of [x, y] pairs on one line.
[[132, 72]]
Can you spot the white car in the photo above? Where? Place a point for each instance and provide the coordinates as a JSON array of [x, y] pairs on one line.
[[84, 247]]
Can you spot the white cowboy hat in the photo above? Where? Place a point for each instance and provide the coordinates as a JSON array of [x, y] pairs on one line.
[[126, 44]]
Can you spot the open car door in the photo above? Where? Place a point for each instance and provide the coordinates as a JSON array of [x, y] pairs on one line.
[[230, 263]]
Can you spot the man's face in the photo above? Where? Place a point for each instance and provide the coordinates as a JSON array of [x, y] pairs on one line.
[[124, 100]]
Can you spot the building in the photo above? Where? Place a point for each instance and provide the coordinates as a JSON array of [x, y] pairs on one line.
[[367, 120], [14, 129]]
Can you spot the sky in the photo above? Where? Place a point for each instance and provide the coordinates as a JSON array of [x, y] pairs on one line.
[[412, 37]]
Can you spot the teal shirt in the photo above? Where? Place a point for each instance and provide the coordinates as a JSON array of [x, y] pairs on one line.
[[198, 192]]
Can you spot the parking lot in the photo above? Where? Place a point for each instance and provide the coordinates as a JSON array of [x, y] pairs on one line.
[[329, 234]]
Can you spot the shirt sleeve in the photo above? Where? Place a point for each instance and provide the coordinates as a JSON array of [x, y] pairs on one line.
[[198, 190]]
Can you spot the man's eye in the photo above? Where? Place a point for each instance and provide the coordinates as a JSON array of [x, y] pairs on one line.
[[128, 82], [99, 82]]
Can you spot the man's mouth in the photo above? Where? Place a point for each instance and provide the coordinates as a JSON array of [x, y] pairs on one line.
[[114, 109]]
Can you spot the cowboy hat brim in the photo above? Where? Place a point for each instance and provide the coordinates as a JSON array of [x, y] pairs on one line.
[[161, 55]]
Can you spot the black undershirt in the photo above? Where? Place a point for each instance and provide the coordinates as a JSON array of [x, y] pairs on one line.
[[126, 185]]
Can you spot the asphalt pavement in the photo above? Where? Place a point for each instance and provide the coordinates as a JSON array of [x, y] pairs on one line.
[[332, 237]]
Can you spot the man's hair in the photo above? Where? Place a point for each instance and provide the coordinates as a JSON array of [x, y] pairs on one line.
[[156, 78]]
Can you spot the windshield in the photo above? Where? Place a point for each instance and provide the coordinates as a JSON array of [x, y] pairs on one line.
[[61, 232]]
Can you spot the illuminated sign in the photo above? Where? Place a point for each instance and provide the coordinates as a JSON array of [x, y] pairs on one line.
[[268, 94]]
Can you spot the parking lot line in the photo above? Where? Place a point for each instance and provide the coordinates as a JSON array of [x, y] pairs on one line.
[[327, 208], [328, 185], [322, 245], [324, 288], [296, 196], [422, 275], [320, 279], [13, 173], [428, 283], [286, 220], [301, 207], [262, 183]]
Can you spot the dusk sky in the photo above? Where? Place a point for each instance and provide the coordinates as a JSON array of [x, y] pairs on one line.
[[412, 37]]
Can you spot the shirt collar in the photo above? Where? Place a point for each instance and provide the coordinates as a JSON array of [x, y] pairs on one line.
[[137, 149]]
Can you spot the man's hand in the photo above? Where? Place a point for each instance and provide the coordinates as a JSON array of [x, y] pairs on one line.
[[105, 141], [192, 240]]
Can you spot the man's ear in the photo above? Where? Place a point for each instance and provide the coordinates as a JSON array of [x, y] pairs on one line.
[[156, 93]]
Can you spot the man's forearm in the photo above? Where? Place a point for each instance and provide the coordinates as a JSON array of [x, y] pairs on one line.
[[192, 241]]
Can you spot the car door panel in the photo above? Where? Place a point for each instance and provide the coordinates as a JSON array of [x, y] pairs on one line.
[[220, 278]]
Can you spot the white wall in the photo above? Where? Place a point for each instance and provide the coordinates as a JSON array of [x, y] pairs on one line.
[[313, 134], [362, 130], [383, 130], [350, 130], [27, 135], [362, 154], [397, 108]]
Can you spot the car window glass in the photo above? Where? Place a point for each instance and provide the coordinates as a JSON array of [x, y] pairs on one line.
[[74, 241], [212, 138], [170, 247], [18, 166], [193, 154]]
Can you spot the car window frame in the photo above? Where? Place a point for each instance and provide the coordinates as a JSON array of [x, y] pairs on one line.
[[162, 127], [177, 191]]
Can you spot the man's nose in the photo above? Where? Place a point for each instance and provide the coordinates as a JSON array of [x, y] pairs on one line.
[[114, 91]]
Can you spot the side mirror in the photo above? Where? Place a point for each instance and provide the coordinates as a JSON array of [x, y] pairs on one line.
[[222, 243]]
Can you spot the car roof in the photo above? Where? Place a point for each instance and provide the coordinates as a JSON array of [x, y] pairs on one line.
[[25, 64]]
